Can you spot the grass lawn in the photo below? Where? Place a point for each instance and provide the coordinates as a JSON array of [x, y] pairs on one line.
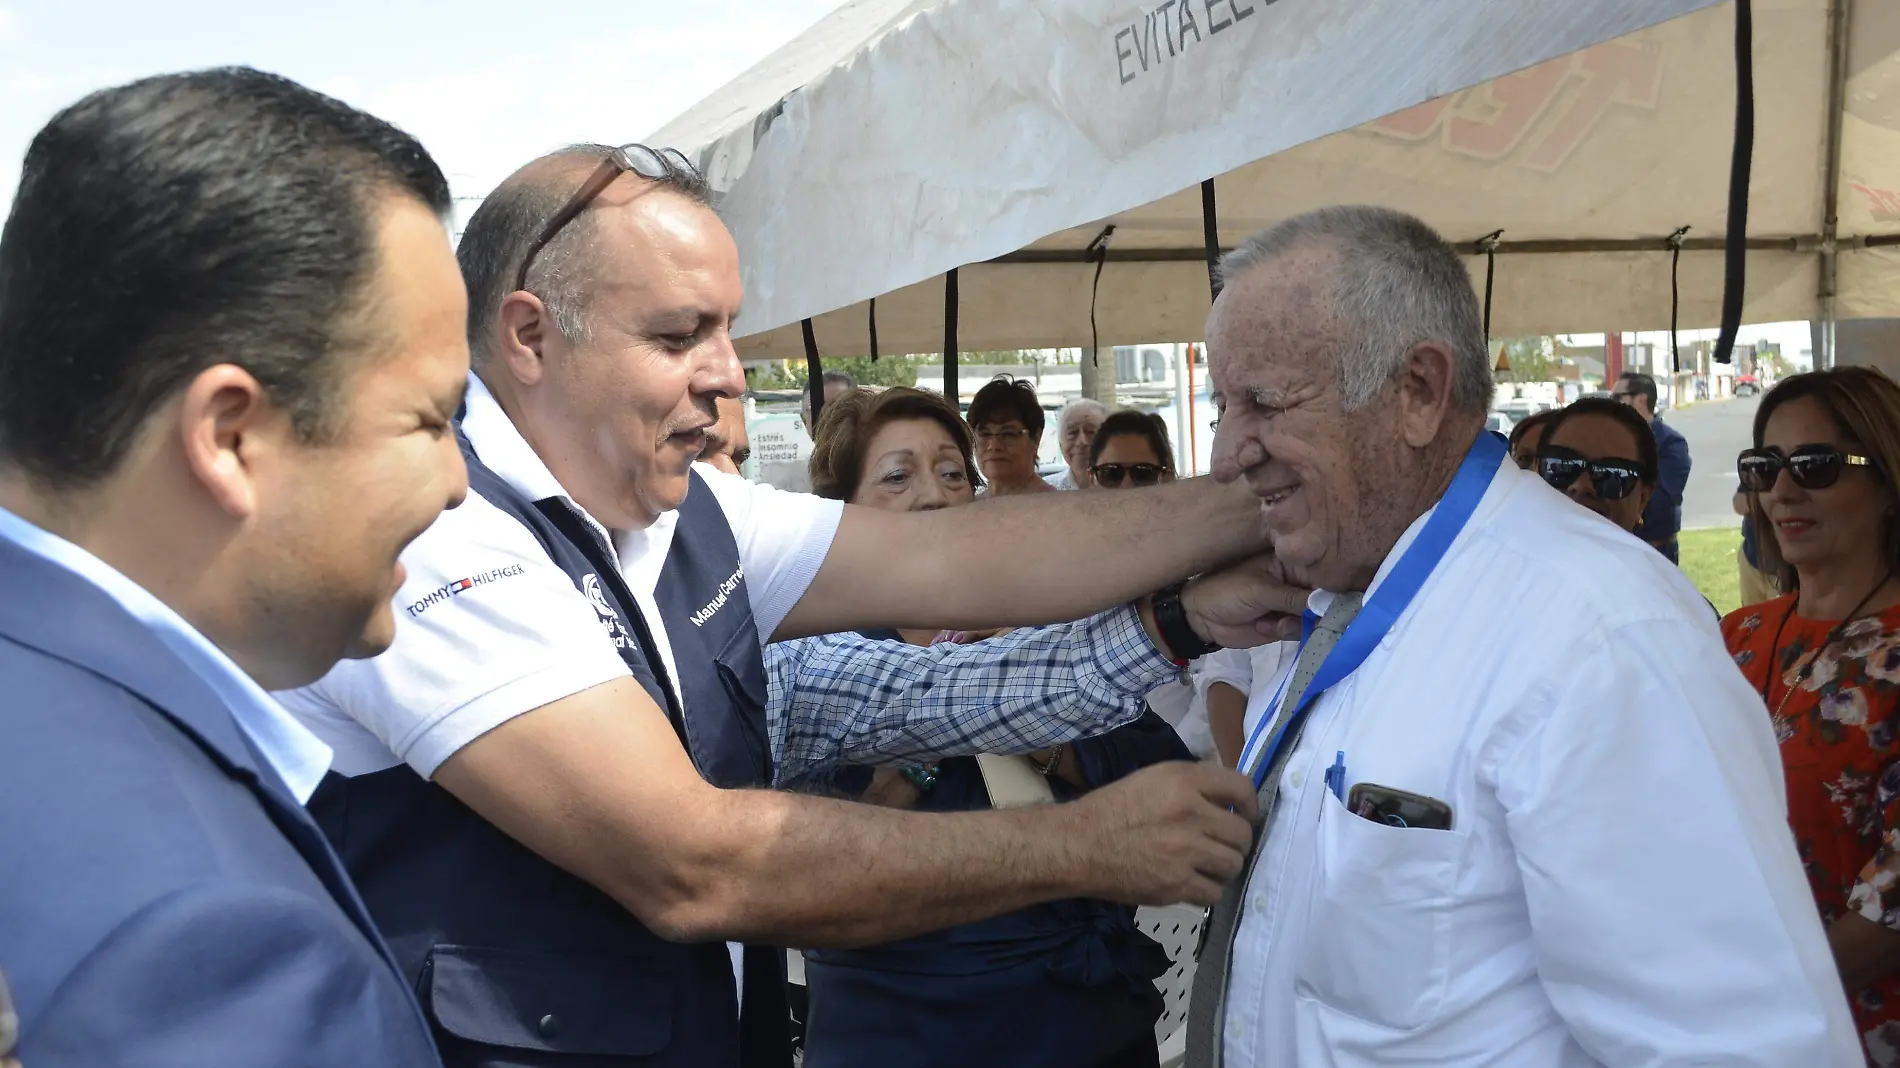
[[1708, 558]]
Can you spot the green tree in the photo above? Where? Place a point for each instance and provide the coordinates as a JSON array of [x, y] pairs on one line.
[[886, 371], [1532, 358]]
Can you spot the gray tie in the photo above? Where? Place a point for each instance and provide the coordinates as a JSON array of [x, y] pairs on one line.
[[1207, 1007]]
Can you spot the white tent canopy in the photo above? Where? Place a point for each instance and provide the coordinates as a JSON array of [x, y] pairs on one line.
[[895, 141]]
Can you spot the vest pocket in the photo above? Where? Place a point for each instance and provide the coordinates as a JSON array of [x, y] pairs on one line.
[[549, 1003]]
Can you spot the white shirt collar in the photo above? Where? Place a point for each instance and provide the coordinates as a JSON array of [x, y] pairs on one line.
[[1319, 601], [502, 448], [506, 452], [298, 757]]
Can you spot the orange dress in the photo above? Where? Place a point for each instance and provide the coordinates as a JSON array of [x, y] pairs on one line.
[[1835, 711]]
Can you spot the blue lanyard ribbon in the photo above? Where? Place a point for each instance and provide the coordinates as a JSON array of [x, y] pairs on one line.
[[1383, 609]]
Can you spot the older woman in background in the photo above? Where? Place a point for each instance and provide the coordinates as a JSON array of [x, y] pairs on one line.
[[1826, 659], [1008, 421], [1063, 985]]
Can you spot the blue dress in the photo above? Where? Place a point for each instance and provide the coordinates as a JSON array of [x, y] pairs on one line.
[[1068, 984]]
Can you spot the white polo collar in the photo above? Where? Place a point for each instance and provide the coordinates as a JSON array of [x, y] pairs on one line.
[[502, 448]]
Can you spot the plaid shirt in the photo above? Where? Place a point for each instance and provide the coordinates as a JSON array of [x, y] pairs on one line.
[[846, 699]]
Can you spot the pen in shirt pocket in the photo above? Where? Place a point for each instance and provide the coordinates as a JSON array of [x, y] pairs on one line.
[[1336, 777]]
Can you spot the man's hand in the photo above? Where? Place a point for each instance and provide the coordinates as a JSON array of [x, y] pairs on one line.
[[1245, 605], [1171, 833]]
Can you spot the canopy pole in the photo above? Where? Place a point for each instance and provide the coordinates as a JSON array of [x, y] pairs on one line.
[[873, 329], [1840, 16], [1210, 237], [950, 336], [1675, 298], [814, 375], [1735, 274], [1488, 244]]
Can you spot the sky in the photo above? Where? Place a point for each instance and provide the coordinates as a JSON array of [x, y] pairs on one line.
[[485, 85]]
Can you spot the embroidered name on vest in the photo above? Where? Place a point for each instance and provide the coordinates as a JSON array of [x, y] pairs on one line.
[[609, 619], [461, 586], [704, 615]]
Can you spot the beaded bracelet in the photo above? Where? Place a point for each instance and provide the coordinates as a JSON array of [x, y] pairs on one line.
[[923, 778]]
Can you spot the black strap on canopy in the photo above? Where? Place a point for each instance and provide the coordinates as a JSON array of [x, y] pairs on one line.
[[1488, 244], [1675, 297], [950, 335], [873, 329], [1097, 251], [1210, 236], [1735, 250], [814, 374]]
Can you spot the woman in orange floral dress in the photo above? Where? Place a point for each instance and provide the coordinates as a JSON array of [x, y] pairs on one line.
[[1826, 660]]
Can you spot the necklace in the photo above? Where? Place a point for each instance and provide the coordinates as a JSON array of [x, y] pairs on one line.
[[1774, 649]]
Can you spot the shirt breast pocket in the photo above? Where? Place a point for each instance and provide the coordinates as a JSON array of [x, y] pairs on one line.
[[1378, 937]]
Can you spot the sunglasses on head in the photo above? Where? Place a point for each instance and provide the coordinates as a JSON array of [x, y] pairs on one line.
[[653, 164], [1811, 466], [1111, 475], [1613, 478]]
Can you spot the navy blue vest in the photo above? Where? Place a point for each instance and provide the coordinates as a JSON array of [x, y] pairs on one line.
[[518, 963]]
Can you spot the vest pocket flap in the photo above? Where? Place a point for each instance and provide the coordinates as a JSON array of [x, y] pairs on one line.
[[606, 1006]]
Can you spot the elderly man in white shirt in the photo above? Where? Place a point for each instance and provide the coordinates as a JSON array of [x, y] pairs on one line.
[[1075, 431], [1574, 847]]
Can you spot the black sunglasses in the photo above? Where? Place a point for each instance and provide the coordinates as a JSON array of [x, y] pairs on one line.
[[1613, 478], [1111, 475], [653, 164], [1811, 466]]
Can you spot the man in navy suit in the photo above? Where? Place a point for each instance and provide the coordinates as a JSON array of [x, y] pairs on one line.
[[231, 344]]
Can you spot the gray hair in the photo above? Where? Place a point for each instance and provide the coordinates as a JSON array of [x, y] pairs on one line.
[[1396, 284], [508, 221], [1078, 406]]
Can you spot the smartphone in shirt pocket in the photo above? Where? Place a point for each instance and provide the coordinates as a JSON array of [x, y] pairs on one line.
[[1398, 808]]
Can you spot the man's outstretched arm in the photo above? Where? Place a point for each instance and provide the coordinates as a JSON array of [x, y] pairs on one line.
[[598, 784], [1023, 561], [842, 698]]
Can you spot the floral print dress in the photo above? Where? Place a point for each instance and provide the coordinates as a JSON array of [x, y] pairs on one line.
[[1835, 710]]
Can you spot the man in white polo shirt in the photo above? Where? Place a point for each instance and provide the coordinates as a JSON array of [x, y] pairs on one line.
[[577, 684]]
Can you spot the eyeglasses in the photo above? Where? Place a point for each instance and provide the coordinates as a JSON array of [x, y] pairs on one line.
[[1004, 434], [1111, 475], [1613, 478], [1811, 466], [652, 164]]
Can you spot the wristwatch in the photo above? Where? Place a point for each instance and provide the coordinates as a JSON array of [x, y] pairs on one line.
[[1171, 620]]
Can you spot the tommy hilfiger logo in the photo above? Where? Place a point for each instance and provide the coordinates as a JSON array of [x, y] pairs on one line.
[[461, 586], [704, 615]]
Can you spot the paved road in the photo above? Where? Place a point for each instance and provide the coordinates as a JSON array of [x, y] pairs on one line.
[[1716, 430]]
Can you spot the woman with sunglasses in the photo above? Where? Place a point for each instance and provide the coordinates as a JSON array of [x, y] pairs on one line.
[[1826, 659], [1069, 984], [1603, 456], [1130, 449]]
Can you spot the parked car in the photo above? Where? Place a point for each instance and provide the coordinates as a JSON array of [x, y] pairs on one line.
[[1747, 385], [1499, 422]]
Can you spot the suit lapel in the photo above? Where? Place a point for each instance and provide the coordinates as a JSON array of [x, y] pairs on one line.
[[56, 612]]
